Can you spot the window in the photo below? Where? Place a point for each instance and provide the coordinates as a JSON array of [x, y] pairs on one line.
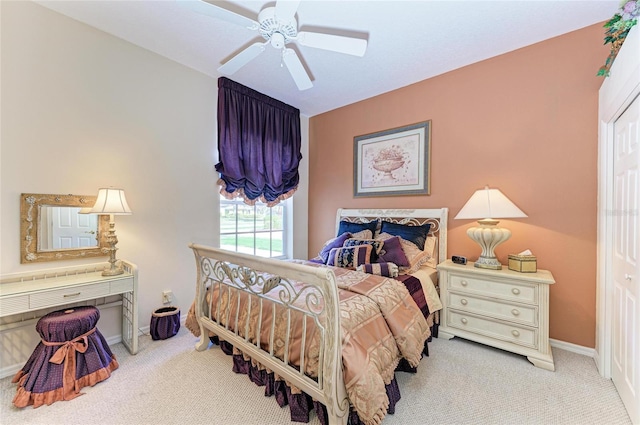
[[256, 230]]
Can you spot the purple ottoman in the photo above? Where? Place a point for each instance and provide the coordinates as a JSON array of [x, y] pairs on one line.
[[71, 355]]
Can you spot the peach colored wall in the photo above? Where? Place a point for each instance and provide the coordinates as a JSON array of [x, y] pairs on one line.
[[525, 122]]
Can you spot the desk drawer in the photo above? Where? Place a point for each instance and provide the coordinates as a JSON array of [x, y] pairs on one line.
[[522, 313], [513, 291], [122, 285], [13, 305], [495, 329], [68, 295]]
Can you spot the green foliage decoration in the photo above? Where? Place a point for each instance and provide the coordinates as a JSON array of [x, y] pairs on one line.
[[616, 30]]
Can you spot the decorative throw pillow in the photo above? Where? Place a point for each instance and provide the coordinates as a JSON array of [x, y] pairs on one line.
[[376, 246], [415, 256], [431, 247], [380, 269], [346, 226], [415, 234], [349, 257], [332, 243], [392, 252], [362, 234]]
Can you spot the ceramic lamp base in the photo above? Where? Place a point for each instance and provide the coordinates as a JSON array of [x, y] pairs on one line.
[[488, 236]]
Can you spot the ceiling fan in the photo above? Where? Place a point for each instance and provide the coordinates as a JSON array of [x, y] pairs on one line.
[[278, 26]]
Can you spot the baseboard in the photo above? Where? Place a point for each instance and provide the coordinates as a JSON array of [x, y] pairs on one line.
[[112, 340], [10, 370], [574, 348]]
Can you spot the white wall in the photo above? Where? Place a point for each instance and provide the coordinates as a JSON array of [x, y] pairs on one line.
[[81, 110]]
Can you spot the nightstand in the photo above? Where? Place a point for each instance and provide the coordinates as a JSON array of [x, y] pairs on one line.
[[501, 308]]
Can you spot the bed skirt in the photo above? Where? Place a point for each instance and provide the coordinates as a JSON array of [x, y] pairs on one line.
[[301, 404]]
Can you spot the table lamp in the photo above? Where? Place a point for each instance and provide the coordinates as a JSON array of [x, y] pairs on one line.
[[486, 205], [113, 202]]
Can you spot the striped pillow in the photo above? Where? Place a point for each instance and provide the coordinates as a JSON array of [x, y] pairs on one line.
[[349, 257], [381, 269], [376, 246]]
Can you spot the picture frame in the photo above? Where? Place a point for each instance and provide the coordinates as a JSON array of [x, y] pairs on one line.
[[393, 162]]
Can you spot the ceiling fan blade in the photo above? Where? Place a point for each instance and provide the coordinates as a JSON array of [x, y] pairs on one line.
[[242, 58], [286, 9], [214, 11], [336, 43], [296, 69]]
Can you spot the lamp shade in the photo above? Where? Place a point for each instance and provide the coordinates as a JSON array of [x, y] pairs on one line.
[[489, 203], [111, 201]]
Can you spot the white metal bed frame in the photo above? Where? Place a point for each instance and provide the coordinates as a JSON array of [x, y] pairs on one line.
[[226, 270]]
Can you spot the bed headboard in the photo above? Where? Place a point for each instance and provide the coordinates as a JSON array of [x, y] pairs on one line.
[[436, 217]]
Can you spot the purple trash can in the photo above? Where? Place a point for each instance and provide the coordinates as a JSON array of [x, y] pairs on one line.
[[165, 322]]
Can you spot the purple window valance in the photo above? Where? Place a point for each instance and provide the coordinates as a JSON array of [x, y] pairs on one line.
[[258, 145]]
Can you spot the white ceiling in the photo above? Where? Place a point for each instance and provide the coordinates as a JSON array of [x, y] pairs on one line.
[[409, 41]]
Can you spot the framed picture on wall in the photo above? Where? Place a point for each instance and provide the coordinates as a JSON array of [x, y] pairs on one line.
[[393, 162]]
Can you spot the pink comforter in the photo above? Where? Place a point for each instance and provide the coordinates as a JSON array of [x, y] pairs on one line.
[[380, 324]]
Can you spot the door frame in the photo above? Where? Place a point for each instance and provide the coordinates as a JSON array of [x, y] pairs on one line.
[[617, 92]]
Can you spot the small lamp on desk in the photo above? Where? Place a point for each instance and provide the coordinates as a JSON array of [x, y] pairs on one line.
[[486, 205], [113, 202]]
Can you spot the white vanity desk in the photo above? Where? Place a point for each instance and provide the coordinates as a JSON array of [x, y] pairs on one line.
[[42, 289]]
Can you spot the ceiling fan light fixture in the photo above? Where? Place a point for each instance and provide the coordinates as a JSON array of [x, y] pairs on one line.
[[278, 40]]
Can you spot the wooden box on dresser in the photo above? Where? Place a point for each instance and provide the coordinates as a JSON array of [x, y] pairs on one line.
[[501, 308]]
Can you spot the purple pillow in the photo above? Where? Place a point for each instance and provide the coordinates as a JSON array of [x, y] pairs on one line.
[[392, 253], [332, 243]]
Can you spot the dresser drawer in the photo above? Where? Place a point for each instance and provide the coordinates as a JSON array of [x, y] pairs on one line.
[[512, 291], [496, 329], [68, 295], [524, 314]]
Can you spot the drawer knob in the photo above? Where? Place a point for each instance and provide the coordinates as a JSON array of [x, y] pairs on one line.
[[463, 302], [464, 321], [515, 312], [515, 291], [75, 294], [463, 282], [515, 333]]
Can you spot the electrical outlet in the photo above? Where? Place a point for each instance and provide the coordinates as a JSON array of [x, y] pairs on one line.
[[167, 296]]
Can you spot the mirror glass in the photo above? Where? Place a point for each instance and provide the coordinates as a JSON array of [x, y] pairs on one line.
[[64, 228], [51, 228]]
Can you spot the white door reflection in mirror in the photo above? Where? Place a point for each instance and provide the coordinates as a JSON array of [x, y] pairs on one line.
[[64, 228]]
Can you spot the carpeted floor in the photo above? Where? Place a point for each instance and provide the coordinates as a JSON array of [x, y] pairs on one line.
[[168, 382]]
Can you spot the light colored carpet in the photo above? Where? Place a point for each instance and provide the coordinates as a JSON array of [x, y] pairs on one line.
[[168, 382]]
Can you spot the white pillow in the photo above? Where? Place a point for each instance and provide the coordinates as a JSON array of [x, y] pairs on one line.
[[431, 247]]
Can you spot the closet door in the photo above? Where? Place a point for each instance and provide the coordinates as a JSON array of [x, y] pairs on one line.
[[625, 367]]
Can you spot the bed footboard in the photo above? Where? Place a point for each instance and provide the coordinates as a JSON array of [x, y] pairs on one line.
[[302, 296]]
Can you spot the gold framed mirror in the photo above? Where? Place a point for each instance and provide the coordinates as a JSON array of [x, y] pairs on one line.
[[52, 228]]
